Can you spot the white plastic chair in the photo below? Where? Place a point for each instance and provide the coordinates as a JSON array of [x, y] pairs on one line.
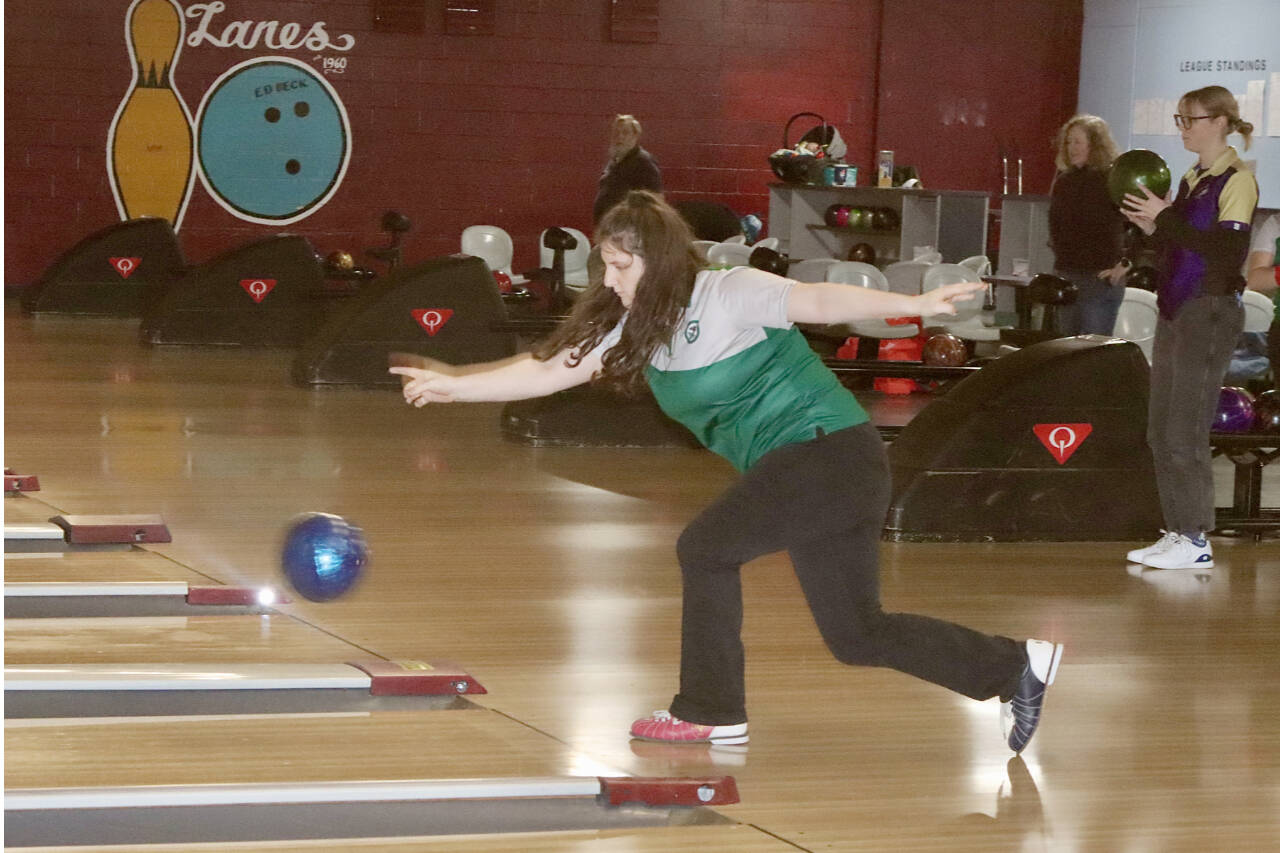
[[866, 275], [738, 238], [704, 245], [980, 264], [966, 323], [575, 260], [1258, 311], [1137, 319], [729, 254], [767, 243], [491, 244], [812, 269], [940, 274], [906, 276]]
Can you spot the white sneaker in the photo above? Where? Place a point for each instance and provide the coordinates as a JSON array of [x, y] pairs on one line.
[[1139, 555], [1184, 553]]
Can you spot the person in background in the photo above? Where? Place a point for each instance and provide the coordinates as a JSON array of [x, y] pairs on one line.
[[722, 355], [1202, 238], [1085, 229], [630, 167], [1263, 275]]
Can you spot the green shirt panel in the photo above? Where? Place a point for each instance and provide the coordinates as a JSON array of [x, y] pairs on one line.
[[773, 393]]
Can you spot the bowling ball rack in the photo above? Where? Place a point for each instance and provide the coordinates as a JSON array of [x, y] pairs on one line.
[[1250, 453]]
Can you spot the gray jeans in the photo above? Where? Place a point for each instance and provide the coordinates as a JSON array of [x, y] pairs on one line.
[[1189, 360]]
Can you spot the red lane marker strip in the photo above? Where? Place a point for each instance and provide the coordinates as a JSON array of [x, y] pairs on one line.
[[227, 595], [670, 791], [21, 482], [416, 678], [112, 529]]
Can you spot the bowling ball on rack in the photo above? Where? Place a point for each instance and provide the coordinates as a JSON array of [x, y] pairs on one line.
[[945, 350], [1235, 410], [340, 261], [1144, 278], [503, 280], [323, 555], [1266, 413], [836, 215], [1135, 169], [863, 252], [884, 219]]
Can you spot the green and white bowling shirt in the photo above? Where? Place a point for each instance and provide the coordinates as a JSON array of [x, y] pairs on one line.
[[739, 375]]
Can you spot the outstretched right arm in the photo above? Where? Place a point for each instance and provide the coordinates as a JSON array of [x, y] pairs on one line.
[[517, 378]]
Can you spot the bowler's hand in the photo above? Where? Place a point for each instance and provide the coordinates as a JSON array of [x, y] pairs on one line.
[[941, 300], [422, 386], [1142, 210]]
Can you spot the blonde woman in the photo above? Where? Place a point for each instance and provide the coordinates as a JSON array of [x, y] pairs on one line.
[[1085, 229], [1203, 238]]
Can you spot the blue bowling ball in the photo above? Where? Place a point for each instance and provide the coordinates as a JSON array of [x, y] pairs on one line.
[[323, 555], [1235, 410]]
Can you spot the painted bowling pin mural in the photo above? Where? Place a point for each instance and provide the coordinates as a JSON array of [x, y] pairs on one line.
[[150, 145]]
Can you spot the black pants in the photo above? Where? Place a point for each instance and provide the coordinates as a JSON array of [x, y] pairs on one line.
[[824, 502]]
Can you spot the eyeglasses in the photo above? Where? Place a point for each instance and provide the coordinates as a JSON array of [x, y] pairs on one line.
[[1185, 122]]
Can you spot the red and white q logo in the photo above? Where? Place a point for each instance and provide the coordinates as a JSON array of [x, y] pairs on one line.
[[258, 288], [432, 319], [124, 266], [1062, 440]]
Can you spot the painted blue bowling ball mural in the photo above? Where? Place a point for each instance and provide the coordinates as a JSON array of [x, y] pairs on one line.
[[323, 555], [272, 140]]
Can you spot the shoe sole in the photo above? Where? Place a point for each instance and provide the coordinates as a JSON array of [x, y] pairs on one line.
[[1208, 565]]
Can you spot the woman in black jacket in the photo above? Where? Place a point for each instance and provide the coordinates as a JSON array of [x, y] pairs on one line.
[[1085, 228]]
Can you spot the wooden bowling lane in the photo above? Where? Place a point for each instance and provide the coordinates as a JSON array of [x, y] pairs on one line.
[[135, 566], [737, 838], [283, 748], [266, 638], [550, 574], [389, 747], [26, 508]]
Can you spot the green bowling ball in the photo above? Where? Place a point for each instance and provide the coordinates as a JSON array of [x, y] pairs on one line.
[[1137, 168]]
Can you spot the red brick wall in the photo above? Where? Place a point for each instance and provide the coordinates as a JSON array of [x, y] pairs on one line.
[[962, 81], [509, 129]]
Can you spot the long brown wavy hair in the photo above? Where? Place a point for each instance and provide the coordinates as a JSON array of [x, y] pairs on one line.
[[1102, 147], [644, 225]]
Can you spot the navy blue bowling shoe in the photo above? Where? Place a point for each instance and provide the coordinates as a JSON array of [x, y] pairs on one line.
[[1021, 714]]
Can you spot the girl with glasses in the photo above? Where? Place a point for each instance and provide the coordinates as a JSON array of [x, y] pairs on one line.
[[1202, 237]]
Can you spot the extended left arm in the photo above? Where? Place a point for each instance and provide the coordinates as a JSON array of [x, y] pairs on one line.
[[843, 303]]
